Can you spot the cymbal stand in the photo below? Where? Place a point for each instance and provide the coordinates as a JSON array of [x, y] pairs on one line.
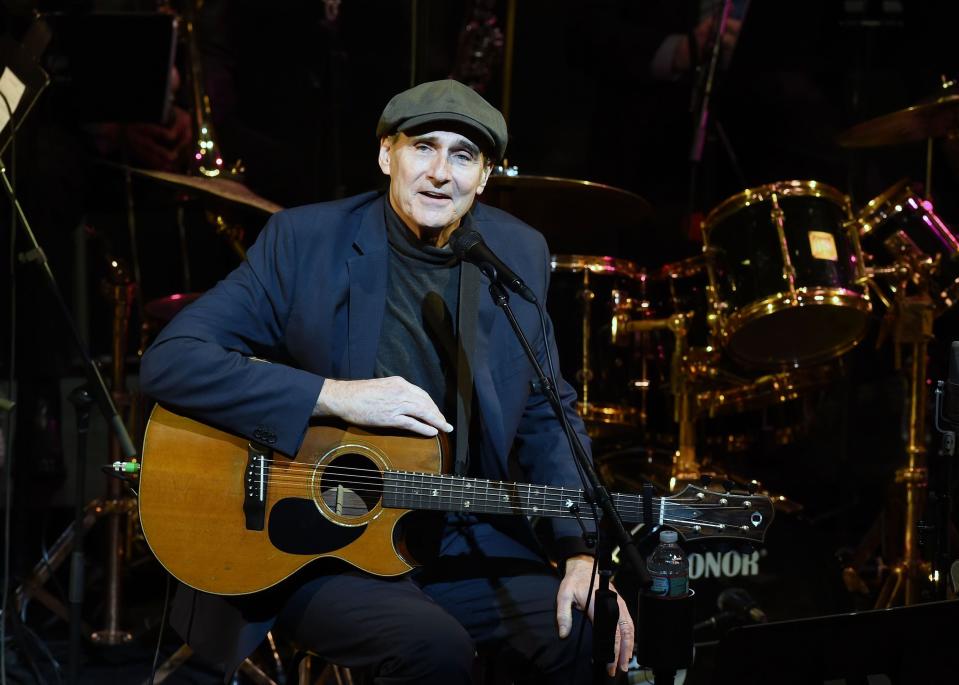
[[685, 465], [116, 506], [912, 329], [121, 290]]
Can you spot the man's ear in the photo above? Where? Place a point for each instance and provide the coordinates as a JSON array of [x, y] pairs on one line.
[[487, 170], [384, 157]]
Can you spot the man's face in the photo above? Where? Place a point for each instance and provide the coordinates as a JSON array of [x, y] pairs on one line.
[[434, 177]]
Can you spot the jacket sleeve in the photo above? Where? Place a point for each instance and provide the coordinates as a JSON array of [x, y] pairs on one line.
[[202, 363]]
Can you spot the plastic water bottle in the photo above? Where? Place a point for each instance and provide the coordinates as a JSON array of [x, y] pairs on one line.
[[668, 568]]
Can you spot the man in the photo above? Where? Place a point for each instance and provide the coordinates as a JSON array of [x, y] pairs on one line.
[[364, 311]]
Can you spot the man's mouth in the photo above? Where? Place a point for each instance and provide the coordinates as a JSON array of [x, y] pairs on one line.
[[434, 195]]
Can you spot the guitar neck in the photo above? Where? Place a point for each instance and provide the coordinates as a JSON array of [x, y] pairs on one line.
[[438, 492]]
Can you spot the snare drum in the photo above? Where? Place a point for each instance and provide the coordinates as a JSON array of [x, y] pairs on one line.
[[590, 302], [786, 274], [900, 226]]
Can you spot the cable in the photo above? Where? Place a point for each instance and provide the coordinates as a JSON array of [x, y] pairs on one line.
[[11, 416], [156, 654]]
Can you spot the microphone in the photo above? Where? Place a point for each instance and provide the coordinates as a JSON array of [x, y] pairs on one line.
[[470, 247], [738, 601], [950, 410]]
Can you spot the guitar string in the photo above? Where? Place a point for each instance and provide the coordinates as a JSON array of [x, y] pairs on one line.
[[461, 491], [375, 475], [526, 504], [632, 515], [411, 493], [494, 493]]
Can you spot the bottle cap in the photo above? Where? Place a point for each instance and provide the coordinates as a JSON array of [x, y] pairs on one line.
[[668, 536]]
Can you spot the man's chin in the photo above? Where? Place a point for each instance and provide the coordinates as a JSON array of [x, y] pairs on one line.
[[433, 224]]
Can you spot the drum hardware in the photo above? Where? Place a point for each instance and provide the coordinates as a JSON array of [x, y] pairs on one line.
[[600, 367], [911, 321], [233, 233], [117, 505], [685, 467], [785, 274], [911, 244]]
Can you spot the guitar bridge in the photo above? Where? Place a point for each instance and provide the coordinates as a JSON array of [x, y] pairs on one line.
[[254, 486]]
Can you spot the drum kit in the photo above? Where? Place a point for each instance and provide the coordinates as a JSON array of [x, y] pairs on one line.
[[790, 277]]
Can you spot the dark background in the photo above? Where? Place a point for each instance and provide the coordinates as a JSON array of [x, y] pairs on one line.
[[297, 95]]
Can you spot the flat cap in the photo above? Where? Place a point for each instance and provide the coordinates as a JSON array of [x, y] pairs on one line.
[[446, 101]]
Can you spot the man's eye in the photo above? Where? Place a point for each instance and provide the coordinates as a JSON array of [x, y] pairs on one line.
[[463, 158]]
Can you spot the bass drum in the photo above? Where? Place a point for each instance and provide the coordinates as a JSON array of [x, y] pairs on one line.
[[792, 574]]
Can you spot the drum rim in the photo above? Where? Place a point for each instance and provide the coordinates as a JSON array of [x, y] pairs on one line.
[[896, 193], [791, 188], [611, 414], [683, 268], [754, 311], [594, 263], [748, 396]]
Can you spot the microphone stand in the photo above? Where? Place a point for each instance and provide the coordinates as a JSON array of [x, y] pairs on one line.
[[700, 105], [97, 385], [594, 491]]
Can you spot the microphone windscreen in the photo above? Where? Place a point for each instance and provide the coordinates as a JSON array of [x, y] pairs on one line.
[[462, 241]]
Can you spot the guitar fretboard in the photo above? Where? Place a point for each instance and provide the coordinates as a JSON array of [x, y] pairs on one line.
[[440, 492]]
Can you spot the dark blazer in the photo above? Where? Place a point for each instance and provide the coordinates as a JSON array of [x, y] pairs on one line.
[[311, 296]]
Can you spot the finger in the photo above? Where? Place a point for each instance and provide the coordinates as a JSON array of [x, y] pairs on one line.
[[626, 645], [414, 426], [564, 613], [628, 629], [425, 410]]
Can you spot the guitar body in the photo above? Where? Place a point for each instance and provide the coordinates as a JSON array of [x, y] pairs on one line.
[[226, 520]]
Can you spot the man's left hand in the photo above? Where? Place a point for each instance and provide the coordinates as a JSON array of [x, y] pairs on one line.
[[573, 593]]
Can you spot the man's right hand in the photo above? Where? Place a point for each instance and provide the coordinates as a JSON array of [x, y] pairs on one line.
[[389, 402]]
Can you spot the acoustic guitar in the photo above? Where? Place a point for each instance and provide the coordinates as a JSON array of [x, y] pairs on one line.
[[231, 517]]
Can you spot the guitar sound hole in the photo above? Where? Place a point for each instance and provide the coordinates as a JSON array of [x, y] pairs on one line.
[[351, 485]]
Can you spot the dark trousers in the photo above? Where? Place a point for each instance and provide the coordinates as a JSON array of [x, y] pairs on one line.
[[428, 630]]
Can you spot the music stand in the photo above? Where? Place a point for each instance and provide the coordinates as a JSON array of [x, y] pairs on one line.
[[912, 644], [21, 82]]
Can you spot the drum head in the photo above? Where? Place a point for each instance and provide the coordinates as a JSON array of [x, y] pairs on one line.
[[792, 335]]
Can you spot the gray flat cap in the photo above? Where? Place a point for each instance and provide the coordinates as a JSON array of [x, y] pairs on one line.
[[449, 101]]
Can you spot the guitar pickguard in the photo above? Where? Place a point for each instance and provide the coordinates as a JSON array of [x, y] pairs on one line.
[[296, 526]]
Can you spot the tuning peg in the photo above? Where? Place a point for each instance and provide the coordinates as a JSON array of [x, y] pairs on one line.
[[728, 486], [705, 479], [752, 486]]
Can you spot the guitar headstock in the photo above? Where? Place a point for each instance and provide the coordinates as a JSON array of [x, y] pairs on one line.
[[701, 513]]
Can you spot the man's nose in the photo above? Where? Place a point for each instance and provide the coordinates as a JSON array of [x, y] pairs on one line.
[[440, 168]]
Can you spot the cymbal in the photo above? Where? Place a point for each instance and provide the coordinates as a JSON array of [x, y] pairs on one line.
[[577, 217], [225, 188], [933, 118]]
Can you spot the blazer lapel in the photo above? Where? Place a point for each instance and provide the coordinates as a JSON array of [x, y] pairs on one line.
[[486, 395], [368, 281]]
